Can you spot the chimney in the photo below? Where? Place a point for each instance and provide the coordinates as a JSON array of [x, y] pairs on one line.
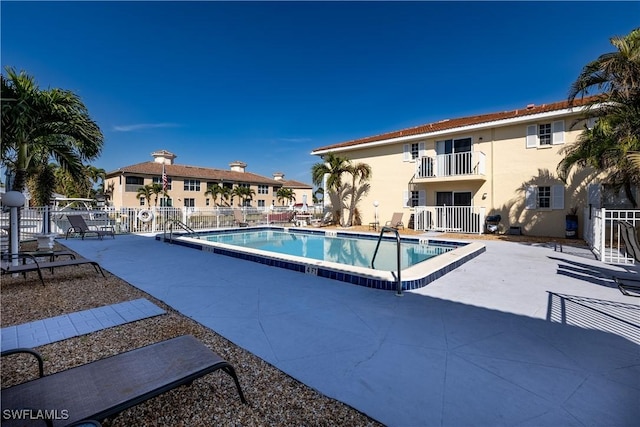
[[278, 176]]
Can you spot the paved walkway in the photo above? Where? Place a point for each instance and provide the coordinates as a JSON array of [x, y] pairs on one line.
[[521, 335], [46, 331]]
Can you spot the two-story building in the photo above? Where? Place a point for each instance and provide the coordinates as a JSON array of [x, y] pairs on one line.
[[187, 185], [450, 175]]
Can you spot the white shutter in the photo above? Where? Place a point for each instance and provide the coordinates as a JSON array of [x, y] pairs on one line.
[[405, 198], [594, 192], [440, 147], [557, 197], [406, 153], [558, 132], [422, 198], [532, 136], [422, 151], [530, 198]]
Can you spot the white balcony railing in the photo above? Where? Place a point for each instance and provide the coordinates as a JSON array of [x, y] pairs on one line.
[[448, 165], [456, 219]]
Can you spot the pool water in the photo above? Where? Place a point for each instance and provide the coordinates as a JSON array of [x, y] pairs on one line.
[[343, 250], [338, 255]]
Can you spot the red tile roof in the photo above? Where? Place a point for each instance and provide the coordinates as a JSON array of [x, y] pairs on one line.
[[194, 172], [460, 122]]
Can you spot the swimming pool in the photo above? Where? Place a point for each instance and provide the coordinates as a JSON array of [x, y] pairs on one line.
[[339, 255]]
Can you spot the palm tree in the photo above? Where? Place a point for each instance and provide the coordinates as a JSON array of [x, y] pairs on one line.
[[360, 174], [318, 195], [214, 190], [156, 190], [333, 167], [285, 194], [39, 124], [145, 192], [605, 147]]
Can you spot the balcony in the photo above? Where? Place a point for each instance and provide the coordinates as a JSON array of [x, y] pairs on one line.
[[460, 166]]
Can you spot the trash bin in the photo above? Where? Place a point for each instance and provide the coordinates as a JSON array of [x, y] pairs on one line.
[[492, 223], [571, 229]]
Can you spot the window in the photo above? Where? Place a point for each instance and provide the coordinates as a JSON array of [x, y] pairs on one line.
[[545, 134], [132, 183], [191, 185], [189, 203], [544, 197], [165, 201], [143, 201], [414, 198], [158, 180], [261, 204], [263, 189], [410, 152], [244, 185], [206, 201]]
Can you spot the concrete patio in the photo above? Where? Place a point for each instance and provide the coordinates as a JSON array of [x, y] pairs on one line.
[[522, 335]]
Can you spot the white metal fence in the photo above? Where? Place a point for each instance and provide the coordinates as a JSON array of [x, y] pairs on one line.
[[460, 219], [147, 220], [602, 233]]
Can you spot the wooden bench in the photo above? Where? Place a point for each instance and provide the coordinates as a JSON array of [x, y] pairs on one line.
[[106, 387]]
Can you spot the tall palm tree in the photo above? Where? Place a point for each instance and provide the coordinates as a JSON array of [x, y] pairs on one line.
[[243, 193], [214, 190], [156, 190], [615, 77], [285, 194], [333, 166], [52, 123], [145, 192], [360, 174]]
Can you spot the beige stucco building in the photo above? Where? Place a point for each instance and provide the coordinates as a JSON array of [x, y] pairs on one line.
[[499, 163], [186, 185]]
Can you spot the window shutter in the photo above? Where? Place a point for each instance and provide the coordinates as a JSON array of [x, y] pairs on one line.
[[422, 198], [558, 132], [406, 153], [595, 195], [405, 198], [530, 198], [532, 136], [557, 197], [422, 151]]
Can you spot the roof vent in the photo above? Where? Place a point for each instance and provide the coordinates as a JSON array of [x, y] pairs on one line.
[[530, 106]]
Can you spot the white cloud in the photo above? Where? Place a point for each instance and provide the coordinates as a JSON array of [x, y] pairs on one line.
[[142, 126]]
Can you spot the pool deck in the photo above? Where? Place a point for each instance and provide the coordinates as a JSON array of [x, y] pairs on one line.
[[521, 335]]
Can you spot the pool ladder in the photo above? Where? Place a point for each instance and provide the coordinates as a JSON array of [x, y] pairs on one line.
[[169, 224], [399, 280]]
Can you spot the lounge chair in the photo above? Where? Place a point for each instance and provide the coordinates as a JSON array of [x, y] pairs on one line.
[[238, 219], [31, 263], [108, 386], [327, 219], [396, 220], [78, 225], [630, 237]]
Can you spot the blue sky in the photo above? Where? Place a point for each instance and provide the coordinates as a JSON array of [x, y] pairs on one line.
[[267, 82]]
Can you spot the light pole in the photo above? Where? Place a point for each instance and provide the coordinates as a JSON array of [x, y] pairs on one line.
[[14, 200], [376, 204]]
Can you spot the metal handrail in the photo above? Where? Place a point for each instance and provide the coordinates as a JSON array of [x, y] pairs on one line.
[[395, 230], [169, 224]]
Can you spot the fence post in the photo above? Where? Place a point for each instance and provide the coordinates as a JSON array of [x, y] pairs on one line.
[[603, 233]]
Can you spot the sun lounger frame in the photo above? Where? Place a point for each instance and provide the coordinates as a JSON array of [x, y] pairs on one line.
[[108, 386], [8, 268]]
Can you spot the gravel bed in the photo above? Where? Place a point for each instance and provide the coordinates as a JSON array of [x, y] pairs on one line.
[[274, 398]]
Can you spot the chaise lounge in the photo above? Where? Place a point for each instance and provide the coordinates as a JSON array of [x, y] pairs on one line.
[[396, 221], [108, 386], [79, 226], [30, 263], [632, 246]]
